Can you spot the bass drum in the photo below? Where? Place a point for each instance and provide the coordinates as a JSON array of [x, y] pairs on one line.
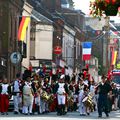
[[88, 102], [70, 103], [84, 99]]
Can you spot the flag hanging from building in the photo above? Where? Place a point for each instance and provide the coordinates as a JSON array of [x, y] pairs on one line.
[[114, 57], [24, 21], [86, 50]]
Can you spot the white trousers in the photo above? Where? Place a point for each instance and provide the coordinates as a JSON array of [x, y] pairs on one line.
[[16, 101], [28, 107], [61, 99], [82, 108], [43, 106]]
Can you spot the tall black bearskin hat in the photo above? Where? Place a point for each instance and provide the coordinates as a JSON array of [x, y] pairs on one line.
[[18, 75], [81, 74], [26, 74], [104, 77]]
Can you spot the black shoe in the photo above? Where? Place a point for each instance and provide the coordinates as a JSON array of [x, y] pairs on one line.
[[20, 111], [83, 114], [25, 113], [47, 111], [58, 114], [31, 113], [38, 113], [16, 112], [2, 113], [6, 113], [64, 113], [100, 116], [88, 113], [43, 112], [107, 115]]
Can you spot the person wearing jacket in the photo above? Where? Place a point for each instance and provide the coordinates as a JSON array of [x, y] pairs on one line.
[[104, 89]]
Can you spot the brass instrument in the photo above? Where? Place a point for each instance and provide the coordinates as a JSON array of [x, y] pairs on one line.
[[51, 98], [48, 98], [45, 96]]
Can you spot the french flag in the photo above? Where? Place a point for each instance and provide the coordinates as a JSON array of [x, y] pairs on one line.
[[86, 50]]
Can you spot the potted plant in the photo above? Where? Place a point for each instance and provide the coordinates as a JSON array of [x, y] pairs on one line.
[[100, 8]]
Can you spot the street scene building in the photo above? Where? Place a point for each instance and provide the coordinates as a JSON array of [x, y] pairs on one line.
[[54, 58]]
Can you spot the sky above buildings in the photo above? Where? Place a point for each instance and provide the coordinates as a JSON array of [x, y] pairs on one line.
[[84, 6]]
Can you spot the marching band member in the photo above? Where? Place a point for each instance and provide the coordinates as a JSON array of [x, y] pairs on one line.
[[72, 96], [82, 108], [115, 92], [27, 94], [5, 91], [61, 90], [36, 93], [37, 97], [88, 102], [92, 93], [53, 105], [45, 87], [16, 93]]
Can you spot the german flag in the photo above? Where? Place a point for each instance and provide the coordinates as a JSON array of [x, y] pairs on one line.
[[23, 27]]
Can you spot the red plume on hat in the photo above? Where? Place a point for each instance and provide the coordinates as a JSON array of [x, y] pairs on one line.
[[87, 66]]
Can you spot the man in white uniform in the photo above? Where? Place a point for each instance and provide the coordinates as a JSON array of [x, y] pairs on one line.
[[81, 96], [27, 97], [27, 93], [61, 89]]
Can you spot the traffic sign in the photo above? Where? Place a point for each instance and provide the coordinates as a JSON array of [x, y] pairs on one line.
[[57, 50]]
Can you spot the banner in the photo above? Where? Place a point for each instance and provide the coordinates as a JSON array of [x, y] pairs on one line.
[[24, 21], [86, 50], [114, 57]]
